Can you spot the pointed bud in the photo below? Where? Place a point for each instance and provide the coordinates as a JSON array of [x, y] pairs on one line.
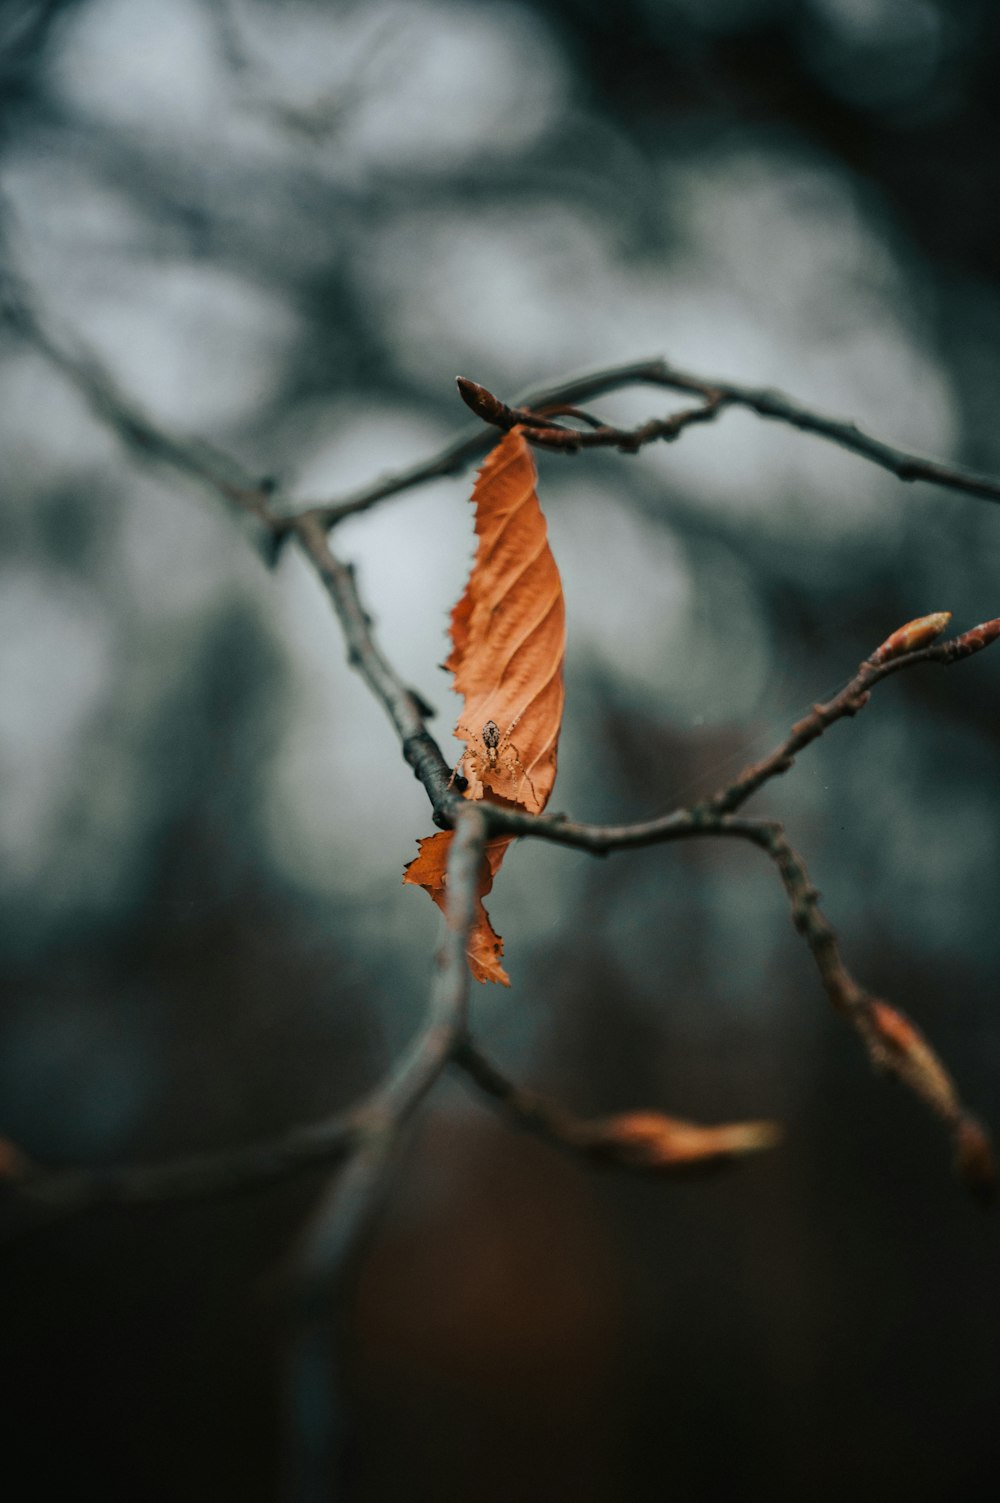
[[908, 638], [898, 1045], [975, 639], [483, 403]]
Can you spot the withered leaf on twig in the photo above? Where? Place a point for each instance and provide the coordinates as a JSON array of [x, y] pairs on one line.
[[508, 635]]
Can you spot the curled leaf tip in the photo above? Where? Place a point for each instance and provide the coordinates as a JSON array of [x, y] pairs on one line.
[[915, 634]]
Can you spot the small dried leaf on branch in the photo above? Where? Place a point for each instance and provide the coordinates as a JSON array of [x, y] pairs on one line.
[[652, 1141], [508, 634], [915, 634]]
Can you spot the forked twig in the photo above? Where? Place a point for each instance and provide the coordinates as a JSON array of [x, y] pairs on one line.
[[905, 464]]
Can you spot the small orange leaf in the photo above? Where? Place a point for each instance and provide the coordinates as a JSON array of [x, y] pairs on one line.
[[508, 635], [429, 871], [918, 633], [652, 1141]]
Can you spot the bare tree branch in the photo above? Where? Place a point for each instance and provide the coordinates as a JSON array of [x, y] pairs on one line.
[[852, 699], [891, 1041]]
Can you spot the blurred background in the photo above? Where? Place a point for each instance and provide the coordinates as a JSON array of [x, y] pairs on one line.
[[285, 227]]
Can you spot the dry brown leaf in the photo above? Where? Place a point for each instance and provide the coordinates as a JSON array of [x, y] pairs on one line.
[[508, 636]]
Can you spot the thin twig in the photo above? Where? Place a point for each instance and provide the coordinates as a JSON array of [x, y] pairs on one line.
[[893, 1042], [540, 429], [766, 403], [644, 1142], [404, 706], [456, 456], [703, 818], [196, 460], [278, 513], [850, 701]]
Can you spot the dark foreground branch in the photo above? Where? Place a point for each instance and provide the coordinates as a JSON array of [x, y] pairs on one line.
[[320, 1145], [337, 1236]]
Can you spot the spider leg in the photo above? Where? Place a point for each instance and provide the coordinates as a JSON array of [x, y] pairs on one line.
[[469, 750], [514, 756]]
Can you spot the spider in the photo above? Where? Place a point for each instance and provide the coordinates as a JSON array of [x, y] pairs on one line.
[[498, 753]]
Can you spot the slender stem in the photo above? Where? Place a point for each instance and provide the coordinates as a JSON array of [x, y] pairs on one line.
[[894, 1044], [540, 428], [644, 1142], [404, 706]]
